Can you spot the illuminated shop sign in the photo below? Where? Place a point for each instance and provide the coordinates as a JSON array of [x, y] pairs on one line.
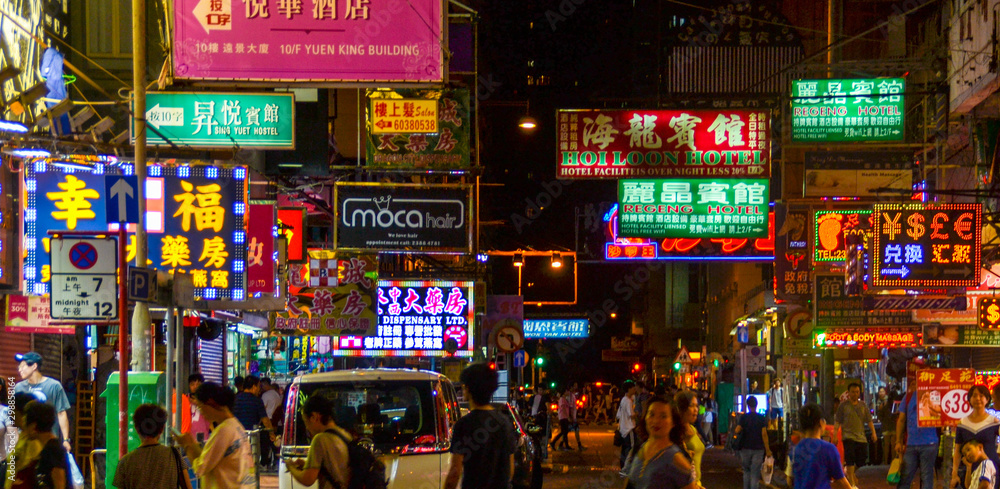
[[663, 143], [792, 268], [9, 234], [946, 393], [834, 229], [403, 217], [679, 249], [26, 29], [355, 41], [417, 318], [195, 217], [556, 328], [220, 120], [959, 335], [927, 245], [835, 308], [340, 298], [262, 259], [890, 337], [688, 208], [853, 110], [989, 313], [292, 226], [418, 129], [403, 115]]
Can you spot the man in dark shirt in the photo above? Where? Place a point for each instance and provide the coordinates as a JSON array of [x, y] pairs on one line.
[[249, 408], [755, 444], [483, 441], [52, 467]]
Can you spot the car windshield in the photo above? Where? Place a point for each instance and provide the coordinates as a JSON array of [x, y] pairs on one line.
[[390, 414]]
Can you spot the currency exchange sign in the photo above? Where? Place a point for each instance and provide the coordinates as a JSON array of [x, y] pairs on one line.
[[220, 120], [664, 143], [853, 110], [689, 208], [927, 245], [989, 313]]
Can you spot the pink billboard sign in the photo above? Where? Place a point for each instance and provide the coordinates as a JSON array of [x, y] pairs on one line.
[[261, 266], [331, 41], [30, 314]]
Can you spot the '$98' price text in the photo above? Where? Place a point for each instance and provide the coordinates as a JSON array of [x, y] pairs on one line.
[[955, 404]]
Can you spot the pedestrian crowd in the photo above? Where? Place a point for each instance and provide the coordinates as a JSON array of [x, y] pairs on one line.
[[214, 446]]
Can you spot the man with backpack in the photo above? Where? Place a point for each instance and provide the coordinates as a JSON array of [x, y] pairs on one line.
[[335, 460]]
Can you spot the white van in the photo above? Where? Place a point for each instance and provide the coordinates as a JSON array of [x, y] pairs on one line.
[[406, 415]]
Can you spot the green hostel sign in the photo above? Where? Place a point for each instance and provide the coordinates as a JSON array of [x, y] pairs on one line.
[[220, 120], [848, 110], [693, 208]]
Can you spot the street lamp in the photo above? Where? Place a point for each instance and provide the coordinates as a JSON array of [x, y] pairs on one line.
[[527, 123], [518, 259], [556, 259]]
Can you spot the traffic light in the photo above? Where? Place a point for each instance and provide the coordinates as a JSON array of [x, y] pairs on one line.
[[552, 385], [636, 367], [493, 365], [539, 361], [677, 366], [715, 363]]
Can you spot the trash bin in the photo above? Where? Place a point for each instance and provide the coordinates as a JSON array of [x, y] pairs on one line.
[[143, 387]]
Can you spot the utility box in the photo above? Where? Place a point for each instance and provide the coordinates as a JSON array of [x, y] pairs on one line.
[[143, 387]]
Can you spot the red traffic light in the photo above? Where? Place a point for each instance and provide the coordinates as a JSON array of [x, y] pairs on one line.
[[637, 367], [493, 365]]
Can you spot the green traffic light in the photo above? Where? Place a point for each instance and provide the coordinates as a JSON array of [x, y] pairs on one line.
[[716, 362], [539, 361], [552, 385], [677, 366]]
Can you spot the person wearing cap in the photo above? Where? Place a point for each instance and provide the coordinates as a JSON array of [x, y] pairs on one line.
[[45, 389]]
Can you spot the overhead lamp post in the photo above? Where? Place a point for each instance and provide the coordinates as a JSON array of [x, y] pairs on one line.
[[556, 260], [526, 123]]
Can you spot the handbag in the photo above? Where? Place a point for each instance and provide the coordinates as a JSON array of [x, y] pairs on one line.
[[181, 473], [894, 470]]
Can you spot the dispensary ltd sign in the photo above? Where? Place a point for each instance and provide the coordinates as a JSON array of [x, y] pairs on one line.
[[687, 208], [663, 143], [855, 110]]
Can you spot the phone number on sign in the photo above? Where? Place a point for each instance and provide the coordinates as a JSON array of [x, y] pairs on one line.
[[413, 125]]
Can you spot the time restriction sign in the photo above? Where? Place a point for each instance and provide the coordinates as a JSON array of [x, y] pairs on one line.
[[84, 278]]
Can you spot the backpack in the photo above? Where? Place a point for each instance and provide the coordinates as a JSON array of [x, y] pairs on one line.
[[367, 471]]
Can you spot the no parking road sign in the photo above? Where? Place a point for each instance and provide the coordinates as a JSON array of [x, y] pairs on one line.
[[84, 277]]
